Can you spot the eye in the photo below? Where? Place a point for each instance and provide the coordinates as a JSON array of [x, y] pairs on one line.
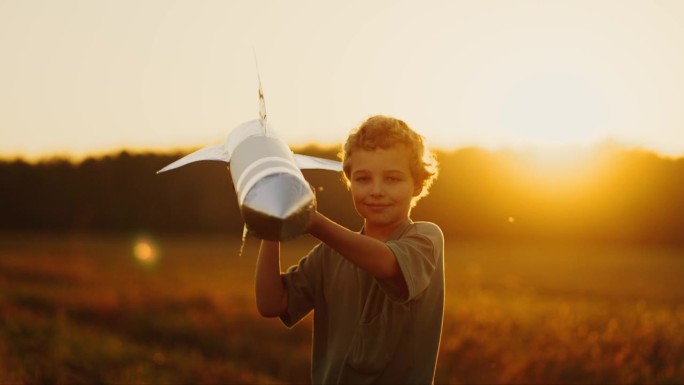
[[393, 179], [361, 178]]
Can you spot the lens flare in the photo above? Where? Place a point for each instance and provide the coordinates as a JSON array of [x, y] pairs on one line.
[[145, 251]]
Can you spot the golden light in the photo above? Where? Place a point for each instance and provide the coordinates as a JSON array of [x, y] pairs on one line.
[[561, 170], [145, 251]]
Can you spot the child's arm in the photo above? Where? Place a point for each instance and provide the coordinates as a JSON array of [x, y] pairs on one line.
[[365, 252], [271, 295]]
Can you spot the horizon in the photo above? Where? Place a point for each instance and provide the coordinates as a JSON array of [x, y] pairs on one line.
[[78, 156], [565, 154], [518, 148]]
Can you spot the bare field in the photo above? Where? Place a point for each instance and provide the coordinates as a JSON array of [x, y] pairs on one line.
[[180, 309]]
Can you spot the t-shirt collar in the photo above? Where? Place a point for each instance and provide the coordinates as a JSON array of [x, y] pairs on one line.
[[396, 234]]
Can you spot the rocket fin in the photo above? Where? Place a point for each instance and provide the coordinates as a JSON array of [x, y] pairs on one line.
[[215, 152], [311, 162]]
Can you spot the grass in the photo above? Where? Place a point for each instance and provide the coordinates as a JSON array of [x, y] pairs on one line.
[[83, 309]]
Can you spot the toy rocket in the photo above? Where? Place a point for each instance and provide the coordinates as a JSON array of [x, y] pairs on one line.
[[275, 200]]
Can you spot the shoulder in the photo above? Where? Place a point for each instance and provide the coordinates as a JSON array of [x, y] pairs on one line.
[[426, 230], [419, 238]]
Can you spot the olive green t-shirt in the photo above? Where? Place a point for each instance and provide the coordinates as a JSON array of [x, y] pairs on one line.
[[363, 331]]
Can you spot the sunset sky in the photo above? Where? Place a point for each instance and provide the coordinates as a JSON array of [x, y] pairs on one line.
[[85, 77]]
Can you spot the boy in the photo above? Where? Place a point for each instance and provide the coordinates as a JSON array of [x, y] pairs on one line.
[[377, 294]]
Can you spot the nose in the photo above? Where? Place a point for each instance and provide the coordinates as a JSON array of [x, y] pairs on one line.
[[377, 189]]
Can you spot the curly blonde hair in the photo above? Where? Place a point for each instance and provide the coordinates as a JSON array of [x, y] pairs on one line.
[[385, 132]]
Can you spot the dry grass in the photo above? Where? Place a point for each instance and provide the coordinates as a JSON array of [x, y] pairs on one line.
[[82, 309]]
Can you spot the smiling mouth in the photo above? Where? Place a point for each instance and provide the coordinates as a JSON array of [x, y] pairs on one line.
[[377, 206]]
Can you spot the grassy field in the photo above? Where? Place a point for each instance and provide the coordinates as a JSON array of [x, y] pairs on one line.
[[141, 309]]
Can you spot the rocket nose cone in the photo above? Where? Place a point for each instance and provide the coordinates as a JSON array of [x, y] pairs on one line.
[[278, 195], [278, 207]]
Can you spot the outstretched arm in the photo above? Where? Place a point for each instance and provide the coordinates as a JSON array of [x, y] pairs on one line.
[[365, 252], [271, 295]]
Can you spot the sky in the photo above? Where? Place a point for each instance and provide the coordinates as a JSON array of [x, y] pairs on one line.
[[87, 77]]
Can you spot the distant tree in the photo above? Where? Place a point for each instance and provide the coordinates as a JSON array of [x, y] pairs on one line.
[[629, 195]]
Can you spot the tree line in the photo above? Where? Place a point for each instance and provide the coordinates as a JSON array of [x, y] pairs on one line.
[[609, 195]]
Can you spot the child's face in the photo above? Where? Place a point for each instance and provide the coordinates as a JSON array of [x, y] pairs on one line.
[[382, 185]]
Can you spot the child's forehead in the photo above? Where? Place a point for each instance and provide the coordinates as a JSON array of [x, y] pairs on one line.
[[394, 157]]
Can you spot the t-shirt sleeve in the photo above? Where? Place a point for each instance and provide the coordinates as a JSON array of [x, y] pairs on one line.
[[302, 282], [418, 255]]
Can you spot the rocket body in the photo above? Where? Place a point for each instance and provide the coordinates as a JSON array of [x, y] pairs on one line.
[[275, 199]]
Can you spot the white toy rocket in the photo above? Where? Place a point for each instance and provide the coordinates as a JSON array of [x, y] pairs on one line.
[[275, 200]]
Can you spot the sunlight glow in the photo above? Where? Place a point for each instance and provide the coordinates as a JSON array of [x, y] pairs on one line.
[[559, 159], [560, 169]]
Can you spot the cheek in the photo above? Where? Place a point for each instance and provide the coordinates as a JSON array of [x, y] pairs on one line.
[[403, 192], [357, 193]]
